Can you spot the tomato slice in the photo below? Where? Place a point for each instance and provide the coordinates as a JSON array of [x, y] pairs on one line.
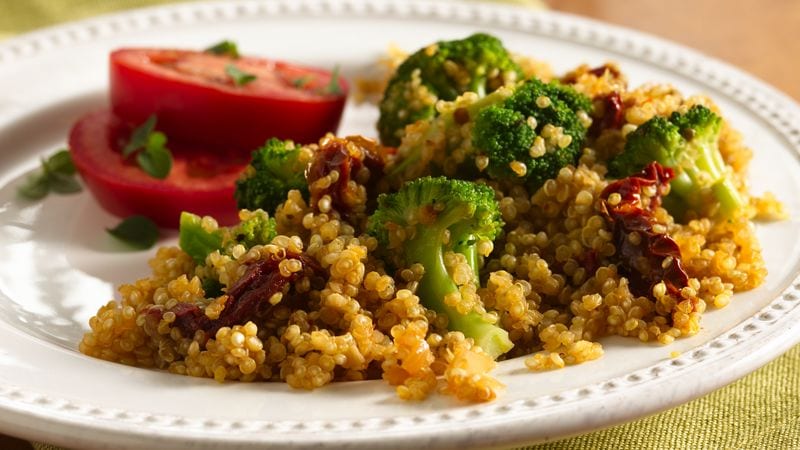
[[197, 101], [201, 181]]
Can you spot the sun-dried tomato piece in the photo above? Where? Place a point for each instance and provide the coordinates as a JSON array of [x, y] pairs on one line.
[[248, 299], [608, 113], [612, 69], [608, 107], [358, 164], [645, 257]]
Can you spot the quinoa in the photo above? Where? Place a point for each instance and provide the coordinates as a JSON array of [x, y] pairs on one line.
[[541, 281]]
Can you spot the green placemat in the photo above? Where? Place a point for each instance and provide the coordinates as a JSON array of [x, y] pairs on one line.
[[761, 411], [19, 16]]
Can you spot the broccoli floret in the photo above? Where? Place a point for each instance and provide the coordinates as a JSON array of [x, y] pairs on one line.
[[525, 134], [199, 239], [442, 71], [687, 143], [275, 169], [413, 224], [256, 228], [533, 134]]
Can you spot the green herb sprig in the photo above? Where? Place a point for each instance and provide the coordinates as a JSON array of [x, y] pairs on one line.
[[333, 87], [137, 231], [57, 174], [226, 48], [239, 78], [152, 155]]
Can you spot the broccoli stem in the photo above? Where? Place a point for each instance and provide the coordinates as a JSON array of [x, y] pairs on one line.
[[728, 196], [196, 241], [683, 186], [724, 191], [469, 249], [426, 248], [708, 165], [478, 86], [491, 338]]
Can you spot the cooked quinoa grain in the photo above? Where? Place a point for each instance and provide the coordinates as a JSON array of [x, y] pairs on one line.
[[552, 279]]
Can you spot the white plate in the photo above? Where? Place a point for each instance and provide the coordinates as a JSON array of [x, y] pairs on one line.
[[58, 265]]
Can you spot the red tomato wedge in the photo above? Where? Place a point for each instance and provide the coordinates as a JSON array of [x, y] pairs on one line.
[[201, 182], [197, 101]]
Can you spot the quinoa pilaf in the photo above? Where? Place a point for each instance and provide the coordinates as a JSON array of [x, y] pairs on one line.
[[343, 310]]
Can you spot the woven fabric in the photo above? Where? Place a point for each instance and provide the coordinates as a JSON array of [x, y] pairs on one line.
[[761, 411]]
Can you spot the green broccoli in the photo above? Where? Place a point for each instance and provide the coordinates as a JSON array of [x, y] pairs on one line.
[[256, 228], [198, 239], [687, 143], [533, 134], [525, 134], [442, 71], [428, 217], [275, 169]]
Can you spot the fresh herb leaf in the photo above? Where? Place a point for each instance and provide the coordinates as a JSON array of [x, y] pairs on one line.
[[57, 174], [139, 137], [153, 156], [333, 87], [59, 163], [225, 47], [155, 159], [35, 187], [137, 231], [303, 81], [239, 78], [64, 184]]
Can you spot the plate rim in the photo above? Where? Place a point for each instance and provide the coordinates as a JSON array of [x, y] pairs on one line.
[[19, 405]]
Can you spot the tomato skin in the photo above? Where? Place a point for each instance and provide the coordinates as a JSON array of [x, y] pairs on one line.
[[199, 182], [200, 104]]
